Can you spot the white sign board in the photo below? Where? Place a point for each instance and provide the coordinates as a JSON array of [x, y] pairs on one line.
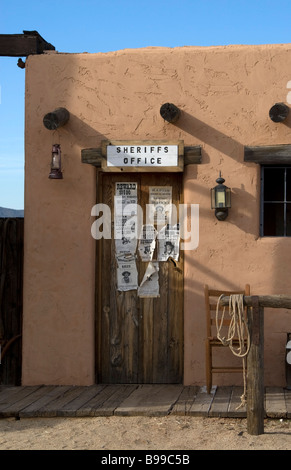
[[142, 155]]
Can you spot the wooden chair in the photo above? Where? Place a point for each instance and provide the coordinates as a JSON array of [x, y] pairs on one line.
[[211, 298]]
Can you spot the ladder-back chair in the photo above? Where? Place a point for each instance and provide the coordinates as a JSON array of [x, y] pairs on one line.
[[211, 299]]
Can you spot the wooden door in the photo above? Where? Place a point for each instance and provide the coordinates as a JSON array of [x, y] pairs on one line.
[[139, 340]]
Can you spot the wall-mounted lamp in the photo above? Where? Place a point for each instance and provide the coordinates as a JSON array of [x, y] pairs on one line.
[[220, 199], [56, 163]]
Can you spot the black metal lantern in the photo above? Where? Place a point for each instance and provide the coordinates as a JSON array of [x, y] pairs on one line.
[[56, 163], [220, 199]]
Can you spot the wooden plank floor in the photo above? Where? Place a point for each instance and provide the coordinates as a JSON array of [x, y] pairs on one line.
[[135, 400]]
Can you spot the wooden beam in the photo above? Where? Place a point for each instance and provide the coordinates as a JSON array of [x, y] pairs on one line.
[[22, 45], [270, 154], [272, 301], [57, 118], [170, 112], [279, 112], [93, 156]]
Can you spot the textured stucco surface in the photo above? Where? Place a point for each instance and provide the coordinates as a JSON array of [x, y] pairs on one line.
[[225, 94]]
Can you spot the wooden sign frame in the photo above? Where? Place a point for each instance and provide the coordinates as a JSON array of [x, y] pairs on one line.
[[140, 168]]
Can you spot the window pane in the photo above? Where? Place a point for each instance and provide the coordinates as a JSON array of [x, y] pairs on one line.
[[273, 220], [288, 220], [274, 184], [288, 184]]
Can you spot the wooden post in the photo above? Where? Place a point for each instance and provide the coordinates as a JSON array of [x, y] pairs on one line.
[[170, 112], [288, 365], [56, 119], [255, 369]]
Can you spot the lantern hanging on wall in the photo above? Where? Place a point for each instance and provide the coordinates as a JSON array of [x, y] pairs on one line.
[[56, 163], [220, 199]]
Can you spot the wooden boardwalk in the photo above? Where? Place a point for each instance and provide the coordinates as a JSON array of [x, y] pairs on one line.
[[134, 400]]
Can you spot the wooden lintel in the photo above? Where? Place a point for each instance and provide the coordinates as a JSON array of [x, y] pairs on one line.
[[192, 155], [23, 45], [271, 154], [93, 156]]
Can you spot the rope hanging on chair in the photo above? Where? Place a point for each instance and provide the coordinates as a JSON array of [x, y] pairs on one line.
[[238, 330]]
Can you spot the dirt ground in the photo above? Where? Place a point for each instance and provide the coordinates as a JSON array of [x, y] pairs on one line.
[[141, 433]]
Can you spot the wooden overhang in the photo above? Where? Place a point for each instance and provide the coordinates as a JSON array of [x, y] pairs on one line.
[[270, 154], [23, 45], [94, 156]]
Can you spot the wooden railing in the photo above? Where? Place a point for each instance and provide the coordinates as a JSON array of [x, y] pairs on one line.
[[255, 358]]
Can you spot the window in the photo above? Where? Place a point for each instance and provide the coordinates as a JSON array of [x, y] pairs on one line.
[[275, 201]]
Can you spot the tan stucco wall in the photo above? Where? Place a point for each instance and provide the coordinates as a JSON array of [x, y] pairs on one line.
[[225, 94]]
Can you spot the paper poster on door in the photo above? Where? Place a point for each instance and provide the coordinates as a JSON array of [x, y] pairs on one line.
[[168, 242], [125, 217], [149, 286], [127, 278], [147, 242], [160, 201]]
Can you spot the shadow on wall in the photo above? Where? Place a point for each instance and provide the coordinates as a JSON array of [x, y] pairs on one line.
[[82, 134], [243, 215], [208, 134]]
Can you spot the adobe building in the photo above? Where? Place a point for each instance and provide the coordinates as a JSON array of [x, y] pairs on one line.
[[195, 113]]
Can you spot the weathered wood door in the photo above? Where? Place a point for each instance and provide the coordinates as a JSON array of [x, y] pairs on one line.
[[139, 340]]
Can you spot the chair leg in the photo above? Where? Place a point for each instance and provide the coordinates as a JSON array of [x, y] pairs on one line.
[[208, 363]]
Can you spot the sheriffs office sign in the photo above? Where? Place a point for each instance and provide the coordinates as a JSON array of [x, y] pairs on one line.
[[142, 155]]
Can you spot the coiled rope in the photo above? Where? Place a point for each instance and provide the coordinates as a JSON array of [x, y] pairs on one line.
[[238, 337]]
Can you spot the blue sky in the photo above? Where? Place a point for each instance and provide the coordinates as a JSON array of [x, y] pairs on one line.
[[110, 25]]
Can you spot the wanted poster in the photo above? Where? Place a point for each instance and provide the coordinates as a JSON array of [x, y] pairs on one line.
[[168, 242], [127, 278], [160, 201], [149, 286], [147, 242], [125, 217]]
